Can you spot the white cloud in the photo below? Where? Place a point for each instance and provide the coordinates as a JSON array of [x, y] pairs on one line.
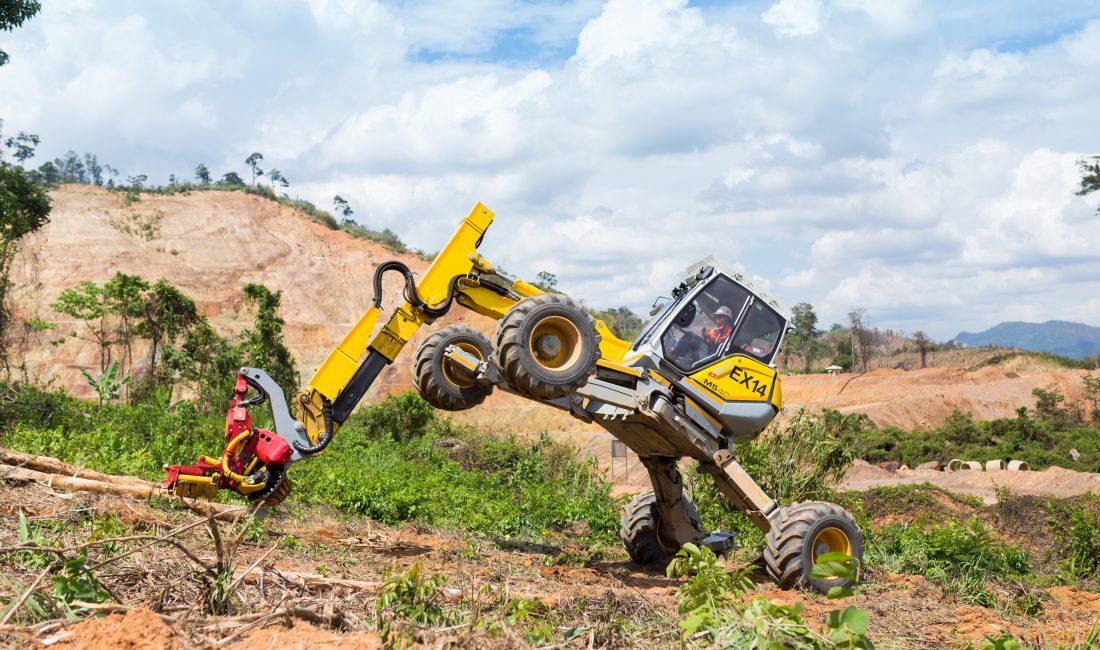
[[794, 17], [903, 158]]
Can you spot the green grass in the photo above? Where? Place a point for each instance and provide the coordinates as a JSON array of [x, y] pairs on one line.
[[393, 461]]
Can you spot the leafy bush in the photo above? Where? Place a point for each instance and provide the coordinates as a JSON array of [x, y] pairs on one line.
[[799, 459], [711, 600], [1076, 527], [1039, 441], [963, 556], [432, 471]]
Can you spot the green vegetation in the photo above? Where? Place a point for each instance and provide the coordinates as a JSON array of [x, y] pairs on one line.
[[797, 460], [1041, 439], [393, 461], [964, 556], [24, 205], [715, 612]]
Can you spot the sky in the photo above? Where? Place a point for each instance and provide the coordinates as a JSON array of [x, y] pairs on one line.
[[914, 159]]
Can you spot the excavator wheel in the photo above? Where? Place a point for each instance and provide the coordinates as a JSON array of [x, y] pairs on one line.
[[440, 381], [804, 532], [547, 346], [640, 529]]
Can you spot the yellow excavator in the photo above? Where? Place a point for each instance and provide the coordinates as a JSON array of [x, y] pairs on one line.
[[699, 378]]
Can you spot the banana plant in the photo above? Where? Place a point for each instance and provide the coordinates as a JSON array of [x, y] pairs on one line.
[[108, 385]]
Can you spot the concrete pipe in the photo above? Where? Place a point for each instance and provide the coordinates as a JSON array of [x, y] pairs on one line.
[[1018, 466], [954, 465], [995, 465], [971, 465]]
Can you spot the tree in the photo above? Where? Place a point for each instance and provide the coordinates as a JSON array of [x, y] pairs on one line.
[[94, 169], [1090, 176], [113, 173], [14, 13], [253, 162], [276, 176], [923, 343], [86, 302], [168, 315], [263, 344], [862, 337], [24, 208], [804, 321], [207, 362], [124, 298], [23, 146], [341, 207], [232, 179], [546, 281], [72, 168], [202, 174], [47, 174], [137, 182]]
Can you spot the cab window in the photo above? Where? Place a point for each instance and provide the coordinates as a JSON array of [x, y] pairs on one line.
[[704, 326], [759, 332]]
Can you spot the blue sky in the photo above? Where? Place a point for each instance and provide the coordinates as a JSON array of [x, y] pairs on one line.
[[913, 158]]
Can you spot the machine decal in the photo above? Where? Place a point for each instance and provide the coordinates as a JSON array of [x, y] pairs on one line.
[[748, 381]]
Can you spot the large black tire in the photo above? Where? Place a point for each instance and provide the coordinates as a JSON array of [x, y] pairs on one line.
[[547, 346], [805, 531], [440, 382], [640, 525]]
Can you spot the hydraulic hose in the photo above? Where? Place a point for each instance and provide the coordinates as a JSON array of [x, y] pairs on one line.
[[411, 294], [326, 410]]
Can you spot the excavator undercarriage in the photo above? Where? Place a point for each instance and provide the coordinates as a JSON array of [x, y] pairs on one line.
[[696, 380]]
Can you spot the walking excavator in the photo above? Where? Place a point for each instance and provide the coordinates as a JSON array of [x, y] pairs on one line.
[[697, 379]]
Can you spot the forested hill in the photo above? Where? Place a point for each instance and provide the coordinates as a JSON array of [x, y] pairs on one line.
[[1074, 340]]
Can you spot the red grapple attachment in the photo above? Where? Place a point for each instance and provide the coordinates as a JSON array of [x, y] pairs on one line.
[[253, 462]]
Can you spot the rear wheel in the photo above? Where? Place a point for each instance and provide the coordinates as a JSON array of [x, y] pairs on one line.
[[442, 382], [641, 529], [803, 533], [547, 346]]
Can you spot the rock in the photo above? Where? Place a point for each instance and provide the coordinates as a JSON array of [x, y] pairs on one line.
[[932, 464], [1075, 455]]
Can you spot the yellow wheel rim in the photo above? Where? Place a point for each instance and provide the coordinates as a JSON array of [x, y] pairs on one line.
[[831, 540], [456, 373], [555, 343]]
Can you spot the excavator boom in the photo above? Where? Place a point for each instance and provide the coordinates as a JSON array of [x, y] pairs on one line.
[[254, 462]]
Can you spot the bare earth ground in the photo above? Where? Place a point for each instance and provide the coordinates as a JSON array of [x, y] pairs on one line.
[[906, 611], [1050, 482]]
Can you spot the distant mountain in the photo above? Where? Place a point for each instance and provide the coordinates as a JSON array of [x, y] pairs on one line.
[[1074, 340]]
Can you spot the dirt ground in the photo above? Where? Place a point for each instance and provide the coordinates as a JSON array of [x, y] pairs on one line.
[[299, 550], [1051, 482]]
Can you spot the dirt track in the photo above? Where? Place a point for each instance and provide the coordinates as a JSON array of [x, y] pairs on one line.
[[1051, 482]]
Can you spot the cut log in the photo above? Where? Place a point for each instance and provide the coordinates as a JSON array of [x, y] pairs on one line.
[[133, 488], [52, 465]]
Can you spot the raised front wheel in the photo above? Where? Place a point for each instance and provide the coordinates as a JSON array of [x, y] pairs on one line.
[[443, 383], [547, 346]]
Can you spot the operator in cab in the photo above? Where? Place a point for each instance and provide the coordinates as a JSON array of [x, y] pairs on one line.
[[717, 336]]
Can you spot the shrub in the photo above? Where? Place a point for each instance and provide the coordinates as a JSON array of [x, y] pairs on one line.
[[797, 460]]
